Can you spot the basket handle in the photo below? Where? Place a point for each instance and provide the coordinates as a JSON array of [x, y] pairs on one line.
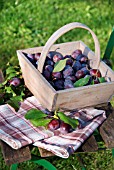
[[58, 34]]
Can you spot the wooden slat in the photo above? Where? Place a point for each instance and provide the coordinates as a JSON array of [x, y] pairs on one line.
[[107, 131], [84, 96], [12, 156], [90, 145], [45, 153]]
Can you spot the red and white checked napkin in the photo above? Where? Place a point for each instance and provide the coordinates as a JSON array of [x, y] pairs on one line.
[[17, 132]]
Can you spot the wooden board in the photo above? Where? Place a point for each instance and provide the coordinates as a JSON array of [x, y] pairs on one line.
[[107, 130], [12, 156], [84, 96], [90, 145], [45, 153]]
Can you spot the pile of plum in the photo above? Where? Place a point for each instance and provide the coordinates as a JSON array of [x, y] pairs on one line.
[[77, 66]]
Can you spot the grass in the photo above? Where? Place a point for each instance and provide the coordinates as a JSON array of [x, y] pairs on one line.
[[92, 161], [26, 23]]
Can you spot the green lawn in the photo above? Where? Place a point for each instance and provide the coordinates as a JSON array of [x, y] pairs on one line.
[[26, 23], [29, 23]]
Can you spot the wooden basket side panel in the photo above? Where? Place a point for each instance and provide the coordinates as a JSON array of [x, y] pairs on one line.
[[67, 49], [106, 71], [32, 50], [64, 48], [36, 83], [85, 96]]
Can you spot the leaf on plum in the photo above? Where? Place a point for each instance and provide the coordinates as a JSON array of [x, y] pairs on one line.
[[101, 79], [82, 81], [59, 66], [66, 119]]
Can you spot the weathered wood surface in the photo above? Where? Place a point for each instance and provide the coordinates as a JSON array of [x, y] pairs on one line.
[[90, 145], [68, 98], [45, 153], [12, 156], [107, 130], [84, 96]]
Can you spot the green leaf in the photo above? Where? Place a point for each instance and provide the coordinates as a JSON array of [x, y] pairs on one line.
[[35, 114], [18, 98], [92, 82], [10, 70], [4, 82], [71, 121], [1, 85], [82, 81], [1, 91], [10, 90], [22, 93], [102, 79], [12, 75], [1, 101], [40, 122], [14, 104], [59, 66]]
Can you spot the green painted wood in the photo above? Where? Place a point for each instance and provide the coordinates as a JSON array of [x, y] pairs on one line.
[[109, 47], [113, 152]]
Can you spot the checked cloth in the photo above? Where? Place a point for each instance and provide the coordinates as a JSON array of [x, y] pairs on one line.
[[17, 132]]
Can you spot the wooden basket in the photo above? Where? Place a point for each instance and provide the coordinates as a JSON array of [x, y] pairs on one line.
[[73, 98]]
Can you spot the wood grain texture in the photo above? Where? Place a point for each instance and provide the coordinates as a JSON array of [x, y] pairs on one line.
[[12, 156], [84, 96], [107, 130], [45, 153], [90, 145], [70, 98]]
